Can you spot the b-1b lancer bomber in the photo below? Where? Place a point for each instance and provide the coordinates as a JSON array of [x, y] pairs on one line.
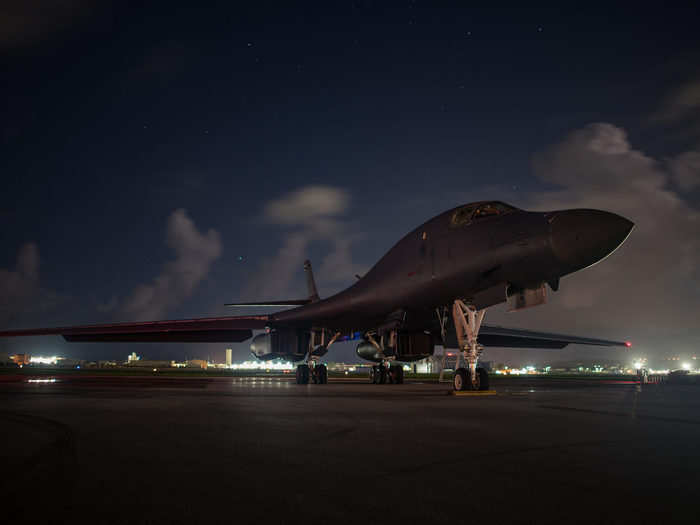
[[433, 287]]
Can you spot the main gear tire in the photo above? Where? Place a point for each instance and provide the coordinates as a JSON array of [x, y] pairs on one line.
[[483, 376], [302, 374], [396, 374], [461, 380], [380, 375], [322, 374]]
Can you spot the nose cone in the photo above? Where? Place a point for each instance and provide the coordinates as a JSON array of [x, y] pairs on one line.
[[581, 238]]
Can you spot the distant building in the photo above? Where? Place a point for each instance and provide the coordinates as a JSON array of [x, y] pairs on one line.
[[133, 357], [229, 357], [197, 363], [149, 363], [21, 359], [67, 362], [679, 361]]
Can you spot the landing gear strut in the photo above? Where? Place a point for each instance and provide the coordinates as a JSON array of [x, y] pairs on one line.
[[467, 321]]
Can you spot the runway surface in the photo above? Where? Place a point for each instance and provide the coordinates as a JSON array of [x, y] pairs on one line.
[[244, 450]]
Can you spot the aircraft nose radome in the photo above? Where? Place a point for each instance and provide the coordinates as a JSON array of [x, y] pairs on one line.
[[583, 237]]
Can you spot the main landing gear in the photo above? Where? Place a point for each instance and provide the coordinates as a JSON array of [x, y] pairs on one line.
[[312, 370], [387, 371], [316, 373], [467, 322], [381, 374]]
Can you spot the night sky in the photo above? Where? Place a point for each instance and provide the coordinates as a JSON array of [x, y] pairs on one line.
[[159, 162]]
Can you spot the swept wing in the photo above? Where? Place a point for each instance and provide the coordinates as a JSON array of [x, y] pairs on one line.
[[203, 330], [517, 338]]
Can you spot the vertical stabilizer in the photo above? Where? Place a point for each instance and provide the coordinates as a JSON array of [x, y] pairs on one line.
[[310, 283]]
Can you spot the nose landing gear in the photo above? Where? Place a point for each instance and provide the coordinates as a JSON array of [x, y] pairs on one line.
[[467, 322], [462, 380]]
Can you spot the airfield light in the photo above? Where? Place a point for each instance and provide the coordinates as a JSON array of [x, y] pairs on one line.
[[686, 366], [257, 365], [637, 365], [44, 360]]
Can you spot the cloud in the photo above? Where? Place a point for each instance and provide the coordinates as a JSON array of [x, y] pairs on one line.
[[311, 205], [195, 252], [338, 264], [314, 214], [20, 289], [650, 287], [109, 306], [680, 104], [685, 169], [28, 22]]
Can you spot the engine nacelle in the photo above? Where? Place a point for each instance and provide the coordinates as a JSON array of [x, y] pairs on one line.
[[368, 352], [412, 346], [284, 344]]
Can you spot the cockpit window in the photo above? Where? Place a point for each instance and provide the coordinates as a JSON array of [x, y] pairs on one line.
[[462, 216], [471, 212]]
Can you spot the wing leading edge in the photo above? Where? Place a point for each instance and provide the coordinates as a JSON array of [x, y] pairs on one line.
[[516, 338], [204, 330], [239, 328]]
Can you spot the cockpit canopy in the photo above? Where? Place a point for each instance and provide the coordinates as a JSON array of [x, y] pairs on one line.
[[469, 213]]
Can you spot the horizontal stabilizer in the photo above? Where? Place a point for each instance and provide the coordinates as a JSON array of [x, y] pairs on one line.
[[290, 302]]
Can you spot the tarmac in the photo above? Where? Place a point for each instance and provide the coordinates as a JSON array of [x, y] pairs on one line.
[[255, 450]]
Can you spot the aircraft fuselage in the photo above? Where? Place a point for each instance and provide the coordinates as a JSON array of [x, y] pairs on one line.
[[449, 257]]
